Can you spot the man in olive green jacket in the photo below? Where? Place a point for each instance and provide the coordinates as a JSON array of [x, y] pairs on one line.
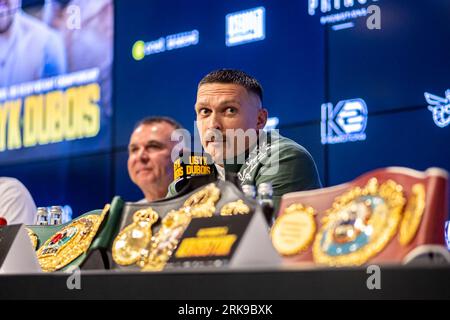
[[230, 121]]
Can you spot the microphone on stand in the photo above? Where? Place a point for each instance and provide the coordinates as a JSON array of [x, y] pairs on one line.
[[193, 170]]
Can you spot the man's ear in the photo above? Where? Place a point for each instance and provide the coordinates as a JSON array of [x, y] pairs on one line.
[[262, 118]]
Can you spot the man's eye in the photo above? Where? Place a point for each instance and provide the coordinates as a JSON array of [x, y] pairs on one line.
[[132, 150], [153, 146], [203, 112], [230, 110]]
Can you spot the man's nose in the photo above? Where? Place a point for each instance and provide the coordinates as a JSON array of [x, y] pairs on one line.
[[214, 121], [143, 154]]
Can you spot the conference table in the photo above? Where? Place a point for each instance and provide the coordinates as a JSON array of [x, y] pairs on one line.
[[288, 282]]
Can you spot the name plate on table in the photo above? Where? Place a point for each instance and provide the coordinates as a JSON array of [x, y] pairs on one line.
[[17, 254], [225, 241]]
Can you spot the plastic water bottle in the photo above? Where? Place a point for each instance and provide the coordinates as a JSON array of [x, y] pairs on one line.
[[265, 194], [249, 191], [42, 216], [56, 215]]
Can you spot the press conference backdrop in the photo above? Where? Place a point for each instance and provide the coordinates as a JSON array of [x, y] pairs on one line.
[[361, 84]]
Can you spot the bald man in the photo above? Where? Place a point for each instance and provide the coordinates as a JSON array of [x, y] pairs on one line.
[[150, 165]]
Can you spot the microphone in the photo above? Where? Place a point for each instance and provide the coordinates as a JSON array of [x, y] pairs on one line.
[[193, 170]]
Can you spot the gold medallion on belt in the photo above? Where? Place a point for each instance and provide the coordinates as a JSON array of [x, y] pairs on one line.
[[294, 230], [360, 224]]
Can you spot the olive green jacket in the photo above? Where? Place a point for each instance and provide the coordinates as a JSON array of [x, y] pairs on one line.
[[284, 163]]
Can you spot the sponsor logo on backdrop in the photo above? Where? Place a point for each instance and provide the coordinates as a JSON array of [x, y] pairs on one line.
[[345, 122], [245, 26], [174, 41], [342, 13], [439, 107]]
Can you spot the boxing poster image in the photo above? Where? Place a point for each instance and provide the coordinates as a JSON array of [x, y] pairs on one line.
[[55, 77]]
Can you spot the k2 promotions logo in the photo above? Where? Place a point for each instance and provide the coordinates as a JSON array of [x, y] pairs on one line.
[[440, 107], [345, 122]]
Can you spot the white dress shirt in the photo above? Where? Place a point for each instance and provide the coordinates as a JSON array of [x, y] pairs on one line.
[[16, 204]]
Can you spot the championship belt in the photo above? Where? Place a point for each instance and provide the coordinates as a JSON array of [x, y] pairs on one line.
[[70, 242], [33, 238], [359, 225], [294, 231], [413, 214], [380, 217], [199, 205], [234, 208], [136, 245], [131, 243]]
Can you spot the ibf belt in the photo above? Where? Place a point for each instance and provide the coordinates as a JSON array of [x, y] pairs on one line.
[[360, 224]]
